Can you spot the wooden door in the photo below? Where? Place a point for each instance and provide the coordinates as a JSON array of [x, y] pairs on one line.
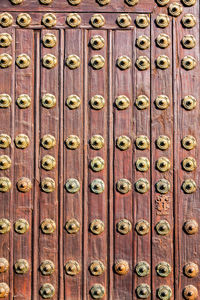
[[99, 149]]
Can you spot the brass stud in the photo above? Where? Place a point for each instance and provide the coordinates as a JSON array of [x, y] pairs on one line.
[[97, 186], [21, 226], [23, 61], [97, 42], [162, 2], [23, 19], [22, 141], [72, 226], [23, 101], [131, 2], [189, 2], [6, 19], [163, 269], [162, 186], [121, 267], [72, 142], [191, 270], [163, 142], [4, 290], [191, 227], [5, 184], [189, 186], [74, 2], [97, 164], [142, 269], [143, 63], [122, 102], [5, 60], [73, 101], [142, 21], [24, 185], [73, 62], [162, 20], [142, 227], [143, 291], [5, 40], [162, 227], [4, 265], [96, 268], [188, 41], [142, 185], [188, 62], [124, 20], [48, 185], [143, 42], [163, 62], [73, 20], [190, 292], [103, 2], [164, 292], [5, 101], [47, 267], [124, 62], [163, 164], [97, 20], [123, 186], [142, 142], [49, 61], [188, 21], [97, 62], [48, 141], [142, 164], [48, 162], [72, 185], [97, 102], [48, 101], [123, 142], [16, 1], [163, 40], [189, 142], [72, 268], [47, 291], [97, 142], [49, 40], [142, 102], [124, 226], [46, 2], [97, 226], [97, 291], [175, 9], [49, 20], [189, 102], [48, 226], [189, 164], [21, 266], [5, 226]]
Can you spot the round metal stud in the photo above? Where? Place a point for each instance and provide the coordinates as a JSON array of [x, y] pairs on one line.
[[97, 291], [5, 184], [21, 266], [72, 185], [162, 20], [142, 142], [123, 142], [162, 102], [49, 20], [163, 269], [188, 62], [4, 290], [163, 142], [142, 269], [5, 226], [97, 186], [123, 186], [72, 226], [49, 61], [121, 267], [48, 185], [189, 142], [16, 1], [103, 2], [162, 227], [48, 141], [72, 268], [97, 102], [97, 226], [48, 162], [163, 186], [191, 227], [191, 270], [189, 2], [4, 265], [49, 40], [163, 164], [24, 185], [142, 227], [142, 102], [142, 185], [132, 2], [74, 2], [73, 20], [97, 20], [143, 63], [23, 101], [189, 164], [164, 292], [189, 21], [162, 2], [72, 142], [23, 19], [73, 101], [189, 186], [124, 20], [73, 61], [163, 40], [175, 9], [48, 226], [96, 268], [5, 60], [97, 142], [122, 102], [124, 62], [124, 226], [97, 62], [48, 101], [47, 291], [22, 141], [142, 164], [97, 164], [142, 21], [23, 61], [6, 19], [189, 102], [21, 226], [5, 101], [190, 292], [143, 291], [143, 42], [188, 41], [47, 267], [163, 62], [5, 40], [97, 42], [46, 2]]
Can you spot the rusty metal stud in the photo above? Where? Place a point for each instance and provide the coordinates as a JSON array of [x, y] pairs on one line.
[[96, 268], [24, 185], [73, 101], [123, 62], [132, 2], [47, 291], [97, 142], [143, 63], [48, 141], [163, 269], [97, 291], [73, 20], [163, 62], [6, 19], [4, 265], [5, 226], [162, 2], [23, 101], [47, 267], [189, 102], [21, 226], [142, 227], [143, 42], [48, 185], [189, 164], [72, 268], [189, 21], [188, 41], [48, 162], [72, 142], [97, 102], [162, 227], [189, 2], [188, 62], [190, 292], [164, 292], [162, 20], [48, 226], [123, 186], [163, 186], [189, 186], [142, 142], [97, 226], [48, 101], [123, 142], [49, 40], [142, 164], [121, 267], [163, 40], [74, 2], [191, 270], [142, 21], [21, 266], [5, 60], [4, 290], [162, 102], [73, 61], [143, 291], [23, 19], [191, 227], [22, 141], [97, 42], [16, 1], [142, 102], [72, 226], [97, 62], [72, 185], [97, 164], [5, 40], [5, 162], [122, 102], [23, 61], [189, 142], [49, 20], [103, 2], [124, 20], [163, 164], [142, 269], [124, 226], [163, 142], [97, 20], [175, 9], [97, 186], [46, 1], [142, 185], [49, 61], [5, 184]]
